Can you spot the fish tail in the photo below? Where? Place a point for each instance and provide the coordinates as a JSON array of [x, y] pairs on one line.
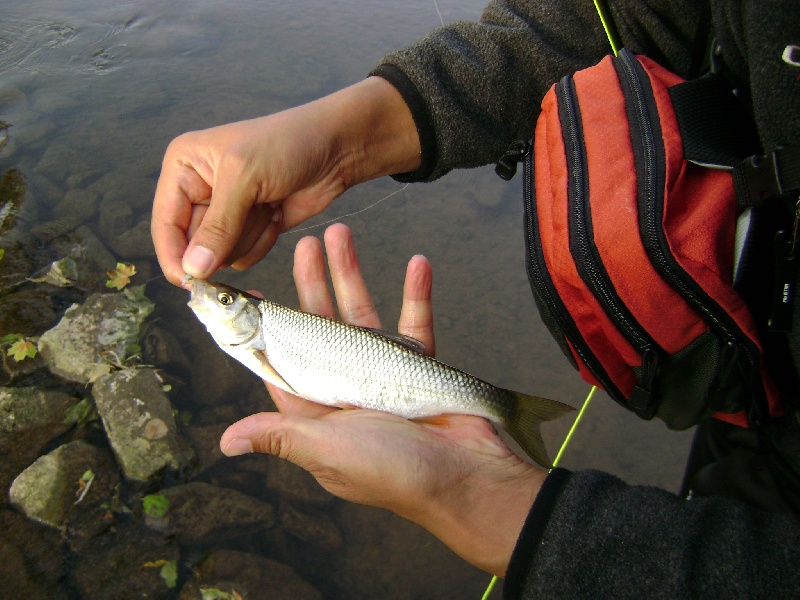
[[524, 420]]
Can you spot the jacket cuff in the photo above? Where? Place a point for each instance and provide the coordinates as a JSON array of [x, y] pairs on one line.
[[422, 119], [532, 531]]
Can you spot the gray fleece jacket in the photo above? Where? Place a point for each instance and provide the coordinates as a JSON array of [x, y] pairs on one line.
[[474, 88]]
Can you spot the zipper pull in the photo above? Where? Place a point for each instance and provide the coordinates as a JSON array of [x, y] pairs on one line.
[[506, 167], [644, 398], [786, 269]]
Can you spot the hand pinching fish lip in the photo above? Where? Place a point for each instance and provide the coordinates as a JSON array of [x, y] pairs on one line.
[[341, 365]]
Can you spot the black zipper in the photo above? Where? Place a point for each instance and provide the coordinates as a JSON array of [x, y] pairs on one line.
[[649, 157], [543, 286], [644, 398]]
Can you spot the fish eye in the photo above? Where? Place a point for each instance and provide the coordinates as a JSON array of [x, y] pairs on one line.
[[225, 298]]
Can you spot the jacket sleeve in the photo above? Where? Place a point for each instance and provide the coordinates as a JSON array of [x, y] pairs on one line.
[[589, 535], [475, 87]]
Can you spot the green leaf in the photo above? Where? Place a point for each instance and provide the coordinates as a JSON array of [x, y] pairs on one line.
[[155, 505], [121, 276], [169, 573], [10, 338], [209, 593], [22, 349], [81, 413], [2, 253]]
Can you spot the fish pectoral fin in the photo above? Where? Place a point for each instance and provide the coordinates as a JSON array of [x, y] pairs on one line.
[[404, 340], [269, 374]]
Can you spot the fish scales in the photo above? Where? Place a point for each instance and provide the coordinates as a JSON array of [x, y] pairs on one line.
[[346, 365]]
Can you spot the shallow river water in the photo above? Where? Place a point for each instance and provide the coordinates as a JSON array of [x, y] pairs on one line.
[[91, 94]]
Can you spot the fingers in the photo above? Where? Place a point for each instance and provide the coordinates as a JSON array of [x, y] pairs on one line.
[[416, 316], [352, 297], [260, 234], [180, 188], [294, 405]]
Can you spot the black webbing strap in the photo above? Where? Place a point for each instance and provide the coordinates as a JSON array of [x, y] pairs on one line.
[[763, 176], [718, 132], [716, 129]]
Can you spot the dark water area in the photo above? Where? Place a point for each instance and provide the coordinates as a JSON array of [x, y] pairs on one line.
[[91, 93]]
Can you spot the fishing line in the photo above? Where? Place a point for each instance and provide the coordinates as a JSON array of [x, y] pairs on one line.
[[438, 12], [366, 208], [556, 460], [441, 20]]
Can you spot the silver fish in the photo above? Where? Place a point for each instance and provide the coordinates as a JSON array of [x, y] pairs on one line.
[[336, 364]]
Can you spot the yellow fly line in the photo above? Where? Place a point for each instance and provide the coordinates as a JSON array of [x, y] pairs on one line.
[[561, 450]]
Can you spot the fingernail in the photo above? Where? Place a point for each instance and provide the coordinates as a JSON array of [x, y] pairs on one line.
[[198, 261], [237, 447], [277, 214]]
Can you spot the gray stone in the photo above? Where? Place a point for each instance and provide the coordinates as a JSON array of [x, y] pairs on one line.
[[250, 576], [105, 325], [47, 490], [127, 564], [198, 513], [116, 217], [26, 408], [286, 480], [137, 417], [126, 186], [28, 310], [205, 440], [134, 243], [58, 162], [77, 204], [313, 528], [219, 379], [92, 259]]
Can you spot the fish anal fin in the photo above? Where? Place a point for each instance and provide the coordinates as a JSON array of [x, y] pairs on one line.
[[269, 374]]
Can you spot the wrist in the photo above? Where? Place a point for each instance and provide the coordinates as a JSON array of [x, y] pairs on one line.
[[378, 135], [481, 519]]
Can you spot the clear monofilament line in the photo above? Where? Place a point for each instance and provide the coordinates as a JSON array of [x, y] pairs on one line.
[[366, 208]]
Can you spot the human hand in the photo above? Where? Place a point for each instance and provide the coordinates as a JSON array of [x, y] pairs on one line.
[[226, 193], [452, 475]]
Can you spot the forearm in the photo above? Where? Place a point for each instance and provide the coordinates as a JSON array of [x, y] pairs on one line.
[[481, 83], [370, 131]]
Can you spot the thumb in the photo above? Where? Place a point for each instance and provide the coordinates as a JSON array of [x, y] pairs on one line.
[[215, 237], [296, 439]]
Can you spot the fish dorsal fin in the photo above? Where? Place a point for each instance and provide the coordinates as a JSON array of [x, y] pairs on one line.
[[404, 340], [269, 374]]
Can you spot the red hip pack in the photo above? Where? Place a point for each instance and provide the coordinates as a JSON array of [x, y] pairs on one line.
[[631, 251]]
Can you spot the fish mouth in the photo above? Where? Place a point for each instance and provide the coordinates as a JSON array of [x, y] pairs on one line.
[[198, 288]]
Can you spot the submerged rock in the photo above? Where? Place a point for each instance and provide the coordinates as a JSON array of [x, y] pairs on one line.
[[48, 490], [293, 483], [137, 416], [25, 408], [105, 325], [31, 559], [249, 576], [28, 310], [127, 564], [92, 259], [201, 513], [136, 242], [313, 528]]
